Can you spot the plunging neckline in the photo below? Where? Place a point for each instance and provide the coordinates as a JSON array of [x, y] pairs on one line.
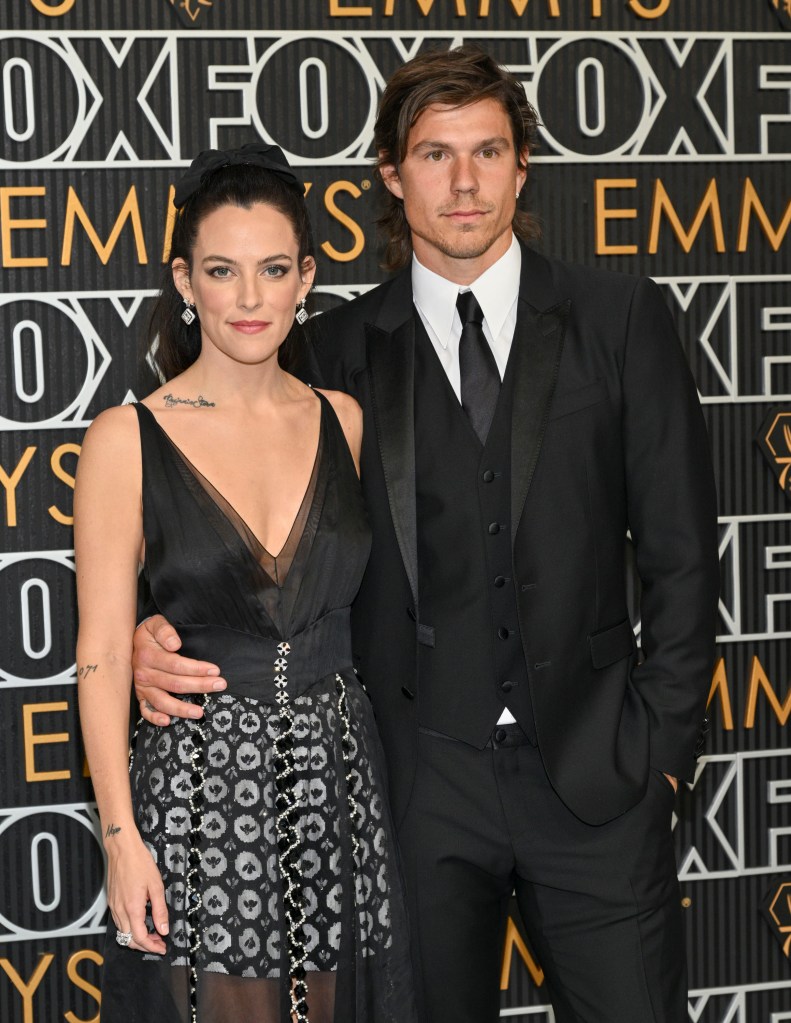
[[207, 486]]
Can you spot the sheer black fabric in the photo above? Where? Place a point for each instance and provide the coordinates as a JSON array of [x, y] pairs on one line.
[[249, 921]]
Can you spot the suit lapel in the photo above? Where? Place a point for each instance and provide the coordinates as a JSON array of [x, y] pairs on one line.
[[536, 349], [391, 368]]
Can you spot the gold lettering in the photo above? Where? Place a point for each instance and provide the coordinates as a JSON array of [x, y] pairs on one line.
[[64, 477], [56, 11], [82, 984], [170, 220], [519, 6], [514, 939], [425, 7], [649, 12], [603, 213], [129, 211], [33, 739], [12, 482], [28, 990], [758, 680], [750, 202], [352, 226], [719, 687], [710, 203], [336, 11], [7, 225]]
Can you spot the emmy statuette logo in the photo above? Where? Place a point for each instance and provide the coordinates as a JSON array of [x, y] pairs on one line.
[[774, 439], [189, 11], [777, 911], [783, 10]]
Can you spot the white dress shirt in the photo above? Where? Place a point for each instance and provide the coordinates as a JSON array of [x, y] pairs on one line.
[[497, 293]]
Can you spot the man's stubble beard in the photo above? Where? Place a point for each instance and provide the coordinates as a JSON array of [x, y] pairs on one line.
[[465, 244]]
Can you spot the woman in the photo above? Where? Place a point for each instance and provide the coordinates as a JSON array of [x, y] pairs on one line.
[[251, 867]]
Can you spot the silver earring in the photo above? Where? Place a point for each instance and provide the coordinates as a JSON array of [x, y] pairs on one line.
[[302, 313], [188, 314]]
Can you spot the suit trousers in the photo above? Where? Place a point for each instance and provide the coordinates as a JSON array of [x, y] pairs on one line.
[[600, 904]]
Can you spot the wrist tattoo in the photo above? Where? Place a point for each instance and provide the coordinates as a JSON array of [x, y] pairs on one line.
[[111, 830], [199, 402], [86, 670]]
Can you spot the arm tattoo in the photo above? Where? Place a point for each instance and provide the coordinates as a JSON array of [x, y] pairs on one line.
[[111, 830], [199, 402], [86, 670]]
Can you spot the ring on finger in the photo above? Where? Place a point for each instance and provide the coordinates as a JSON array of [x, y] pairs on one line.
[[123, 937]]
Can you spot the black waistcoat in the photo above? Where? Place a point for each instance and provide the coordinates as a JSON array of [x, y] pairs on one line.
[[465, 583]]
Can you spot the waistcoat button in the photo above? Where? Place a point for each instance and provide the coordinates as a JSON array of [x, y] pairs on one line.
[[488, 476], [494, 528], [499, 581], [503, 633]]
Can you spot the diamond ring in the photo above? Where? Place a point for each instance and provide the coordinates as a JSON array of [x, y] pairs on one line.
[[123, 937]]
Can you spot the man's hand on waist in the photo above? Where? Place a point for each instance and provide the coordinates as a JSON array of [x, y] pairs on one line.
[[160, 673]]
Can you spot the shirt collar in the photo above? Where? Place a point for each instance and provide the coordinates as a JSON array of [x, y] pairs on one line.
[[496, 290]]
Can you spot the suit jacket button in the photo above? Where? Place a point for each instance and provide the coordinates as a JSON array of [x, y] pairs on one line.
[[408, 693], [494, 528], [503, 633], [488, 476], [499, 581]]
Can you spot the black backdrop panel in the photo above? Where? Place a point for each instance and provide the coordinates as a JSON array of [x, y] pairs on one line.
[[664, 151]]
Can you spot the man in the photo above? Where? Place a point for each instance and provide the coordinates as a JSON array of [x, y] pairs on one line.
[[512, 438]]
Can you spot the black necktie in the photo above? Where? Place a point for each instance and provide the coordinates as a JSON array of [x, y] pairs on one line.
[[480, 379]]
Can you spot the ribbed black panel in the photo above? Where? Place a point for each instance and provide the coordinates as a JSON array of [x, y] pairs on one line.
[[106, 102]]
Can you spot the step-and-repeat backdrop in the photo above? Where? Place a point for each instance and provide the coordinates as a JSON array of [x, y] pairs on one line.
[[664, 151]]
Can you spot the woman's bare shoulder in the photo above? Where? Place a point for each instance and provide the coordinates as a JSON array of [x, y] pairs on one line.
[[346, 407], [116, 426], [350, 416], [110, 455]]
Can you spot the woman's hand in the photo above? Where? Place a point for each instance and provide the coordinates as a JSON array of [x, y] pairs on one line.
[[133, 881]]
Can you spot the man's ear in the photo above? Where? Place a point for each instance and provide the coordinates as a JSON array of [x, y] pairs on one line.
[[392, 182], [521, 169], [181, 278]]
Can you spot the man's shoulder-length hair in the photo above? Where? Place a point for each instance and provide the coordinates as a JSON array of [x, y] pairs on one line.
[[453, 78]]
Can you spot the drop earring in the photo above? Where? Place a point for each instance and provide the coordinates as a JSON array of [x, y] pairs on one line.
[[188, 314], [302, 313]]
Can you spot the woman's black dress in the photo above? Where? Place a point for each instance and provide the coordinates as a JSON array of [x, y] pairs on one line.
[[268, 819]]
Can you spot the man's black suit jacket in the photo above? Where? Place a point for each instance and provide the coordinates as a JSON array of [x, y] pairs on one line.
[[607, 437]]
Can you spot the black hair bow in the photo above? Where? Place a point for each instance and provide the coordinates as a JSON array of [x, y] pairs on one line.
[[254, 154]]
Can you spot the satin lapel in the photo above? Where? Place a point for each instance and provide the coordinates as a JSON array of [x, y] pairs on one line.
[[397, 305], [537, 347], [391, 366]]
